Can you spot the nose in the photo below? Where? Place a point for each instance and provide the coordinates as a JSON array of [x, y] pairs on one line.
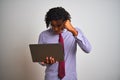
[[55, 29]]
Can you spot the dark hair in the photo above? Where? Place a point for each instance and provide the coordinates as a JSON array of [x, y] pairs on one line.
[[57, 13]]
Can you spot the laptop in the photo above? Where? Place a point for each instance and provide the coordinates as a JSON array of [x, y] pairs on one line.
[[39, 52]]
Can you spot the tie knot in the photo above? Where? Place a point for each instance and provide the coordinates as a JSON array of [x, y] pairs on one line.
[[60, 34], [60, 37]]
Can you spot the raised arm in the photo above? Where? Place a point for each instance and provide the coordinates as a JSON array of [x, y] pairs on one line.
[[79, 36]]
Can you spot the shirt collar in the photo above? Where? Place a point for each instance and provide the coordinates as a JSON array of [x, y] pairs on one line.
[[62, 31]]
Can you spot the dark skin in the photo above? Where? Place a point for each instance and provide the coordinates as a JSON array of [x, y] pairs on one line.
[[58, 26]]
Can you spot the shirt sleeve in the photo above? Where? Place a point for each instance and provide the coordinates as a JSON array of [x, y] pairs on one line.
[[83, 42], [41, 41]]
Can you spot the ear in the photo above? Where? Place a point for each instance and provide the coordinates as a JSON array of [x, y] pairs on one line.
[[64, 21]]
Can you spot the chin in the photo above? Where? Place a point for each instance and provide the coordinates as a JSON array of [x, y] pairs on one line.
[[57, 32]]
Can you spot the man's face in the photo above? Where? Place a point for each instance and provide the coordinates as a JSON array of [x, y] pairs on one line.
[[57, 26]]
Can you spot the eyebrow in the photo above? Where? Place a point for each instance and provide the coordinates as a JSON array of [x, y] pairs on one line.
[[56, 25]]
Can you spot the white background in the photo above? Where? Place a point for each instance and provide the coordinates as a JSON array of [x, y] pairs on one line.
[[21, 22]]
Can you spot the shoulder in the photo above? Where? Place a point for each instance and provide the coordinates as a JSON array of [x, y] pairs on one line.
[[41, 35], [45, 32]]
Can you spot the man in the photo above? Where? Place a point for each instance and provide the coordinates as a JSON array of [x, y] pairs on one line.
[[59, 22]]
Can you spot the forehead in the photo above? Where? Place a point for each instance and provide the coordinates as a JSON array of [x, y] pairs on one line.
[[57, 22]]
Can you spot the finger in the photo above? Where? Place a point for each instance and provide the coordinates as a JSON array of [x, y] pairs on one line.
[[47, 60], [42, 63], [55, 61], [51, 61]]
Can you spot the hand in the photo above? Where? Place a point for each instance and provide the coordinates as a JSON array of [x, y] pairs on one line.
[[70, 28], [49, 60], [68, 25]]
